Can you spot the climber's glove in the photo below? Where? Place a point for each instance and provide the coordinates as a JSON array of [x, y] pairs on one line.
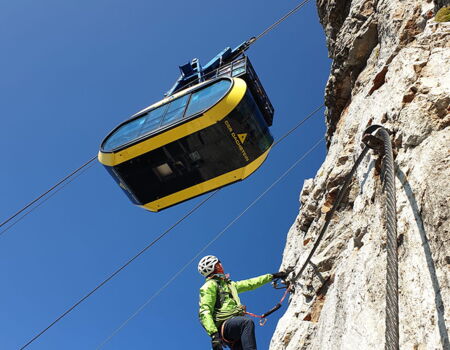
[[278, 275], [216, 343]]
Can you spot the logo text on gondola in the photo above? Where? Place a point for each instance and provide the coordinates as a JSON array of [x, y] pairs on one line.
[[237, 141]]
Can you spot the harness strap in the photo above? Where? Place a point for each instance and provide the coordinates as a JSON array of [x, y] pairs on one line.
[[263, 317]]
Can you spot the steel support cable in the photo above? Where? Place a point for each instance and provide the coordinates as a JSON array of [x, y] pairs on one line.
[[392, 322], [50, 195], [67, 177], [392, 309], [215, 238], [152, 243], [298, 125], [282, 19], [330, 214], [106, 280]]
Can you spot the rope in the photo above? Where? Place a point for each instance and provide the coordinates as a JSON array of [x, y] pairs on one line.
[[117, 330], [148, 246], [47, 192]]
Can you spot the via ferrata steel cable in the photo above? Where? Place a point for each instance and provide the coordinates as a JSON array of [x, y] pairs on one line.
[[384, 146], [392, 318], [151, 244], [330, 214]]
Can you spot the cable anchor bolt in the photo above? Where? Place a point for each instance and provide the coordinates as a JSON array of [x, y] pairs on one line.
[[372, 140]]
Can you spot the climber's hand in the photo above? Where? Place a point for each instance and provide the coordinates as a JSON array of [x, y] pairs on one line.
[[216, 343], [280, 274]]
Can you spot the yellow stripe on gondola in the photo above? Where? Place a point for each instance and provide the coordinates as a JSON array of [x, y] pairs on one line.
[[210, 117], [222, 180]]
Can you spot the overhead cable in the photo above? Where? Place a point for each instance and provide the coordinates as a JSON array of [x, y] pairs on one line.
[[298, 125], [106, 280], [50, 195], [60, 182], [271, 27], [151, 244]]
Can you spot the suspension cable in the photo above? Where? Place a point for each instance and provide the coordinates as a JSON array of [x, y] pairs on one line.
[[282, 176], [67, 177], [271, 27], [250, 42], [50, 195], [151, 244], [106, 280], [298, 125]]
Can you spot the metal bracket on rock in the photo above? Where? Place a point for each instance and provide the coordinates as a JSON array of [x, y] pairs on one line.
[[371, 139]]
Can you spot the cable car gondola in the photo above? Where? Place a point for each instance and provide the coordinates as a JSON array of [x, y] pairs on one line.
[[210, 131]]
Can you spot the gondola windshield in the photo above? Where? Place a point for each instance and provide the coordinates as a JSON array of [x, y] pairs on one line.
[[167, 114]]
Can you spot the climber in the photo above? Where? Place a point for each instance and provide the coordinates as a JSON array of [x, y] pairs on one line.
[[221, 312]]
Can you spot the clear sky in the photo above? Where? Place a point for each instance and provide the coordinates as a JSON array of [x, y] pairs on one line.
[[70, 72]]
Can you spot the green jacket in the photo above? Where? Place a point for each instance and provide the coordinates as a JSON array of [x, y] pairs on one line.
[[219, 299]]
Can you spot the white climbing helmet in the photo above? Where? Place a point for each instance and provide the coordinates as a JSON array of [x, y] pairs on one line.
[[206, 265]]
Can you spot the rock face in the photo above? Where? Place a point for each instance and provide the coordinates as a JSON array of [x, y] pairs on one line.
[[391, 66]]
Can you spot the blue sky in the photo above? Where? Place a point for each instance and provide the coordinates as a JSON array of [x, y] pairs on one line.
[[71, 71]]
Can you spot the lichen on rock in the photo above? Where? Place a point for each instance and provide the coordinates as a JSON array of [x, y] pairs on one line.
[[443, 15]]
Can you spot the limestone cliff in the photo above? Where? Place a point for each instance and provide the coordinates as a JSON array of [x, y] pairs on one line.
[[391, 66]]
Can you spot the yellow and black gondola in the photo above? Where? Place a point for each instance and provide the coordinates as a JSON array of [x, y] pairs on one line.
[[199, 139]]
